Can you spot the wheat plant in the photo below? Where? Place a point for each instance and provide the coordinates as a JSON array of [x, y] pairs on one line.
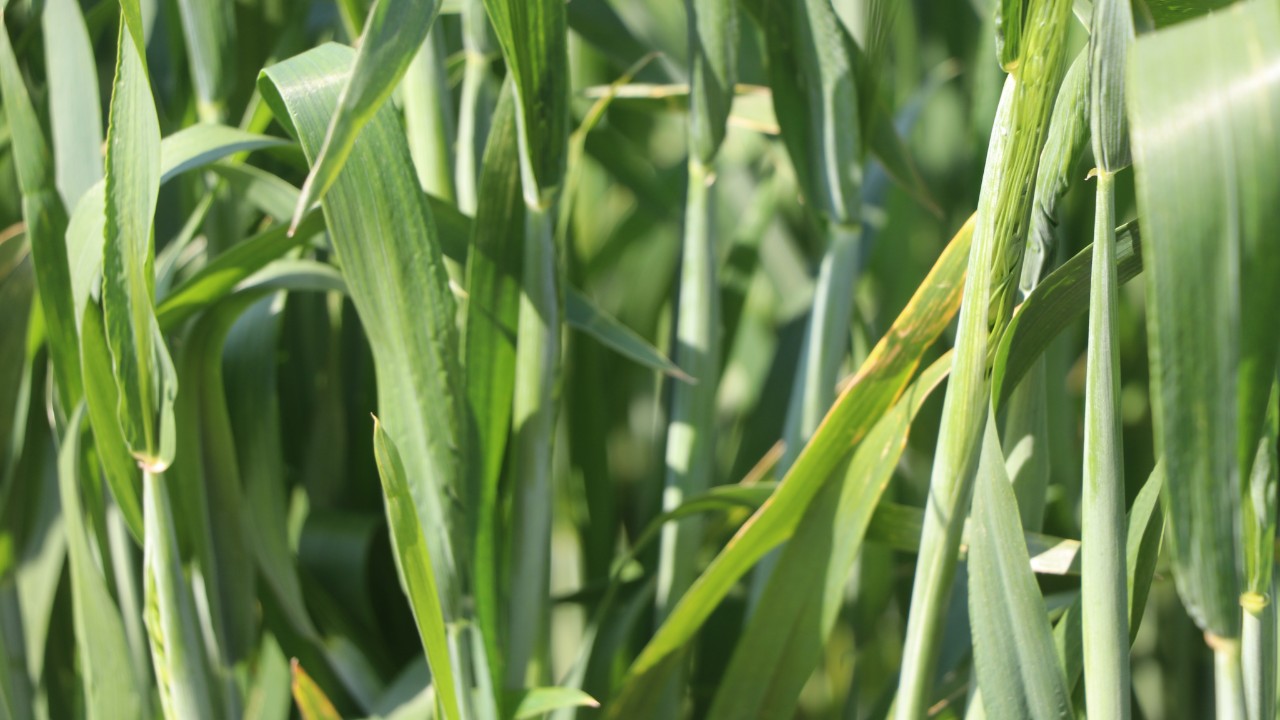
[[506, 359]]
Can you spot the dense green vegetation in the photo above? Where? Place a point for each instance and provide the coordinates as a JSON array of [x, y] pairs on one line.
[[493, 359]]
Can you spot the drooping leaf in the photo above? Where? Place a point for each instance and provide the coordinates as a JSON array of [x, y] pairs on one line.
[[392, 35]]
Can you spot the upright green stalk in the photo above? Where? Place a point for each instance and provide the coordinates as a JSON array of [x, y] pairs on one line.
[[1228, 678], [821, 120], [1104, 596], [428, 116], [690, 456], [964, 413], [690, 451], [1258, 651], [1103, 585], [176, 651], [826, 338], [533, 421], [994, 268], [1258, 630], [476, 104], [534, 39]]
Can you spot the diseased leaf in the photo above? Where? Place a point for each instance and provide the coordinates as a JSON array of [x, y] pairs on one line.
[[877, 385]]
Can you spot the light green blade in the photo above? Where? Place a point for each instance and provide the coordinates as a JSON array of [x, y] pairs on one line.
[[493, 287], [537, 702], [1057, 301], [387, 245], [1203, 147]]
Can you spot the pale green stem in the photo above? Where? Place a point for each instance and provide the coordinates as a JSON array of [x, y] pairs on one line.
[[476, 104], [1103, 583], [690, 457], [176, 652], [1228, 678], [1259, 655], [428, 116], [533, 421]]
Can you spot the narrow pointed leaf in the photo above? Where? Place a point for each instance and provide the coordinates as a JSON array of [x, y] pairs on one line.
[[413, 559], [143, 371], [1014, 656]]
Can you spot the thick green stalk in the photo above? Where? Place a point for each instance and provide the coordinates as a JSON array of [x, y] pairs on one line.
[[533, 421], [476, 103], [690, 457], [177, 654], [428, 116], [1258, 651], [1103, 585], [1228, 678]]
